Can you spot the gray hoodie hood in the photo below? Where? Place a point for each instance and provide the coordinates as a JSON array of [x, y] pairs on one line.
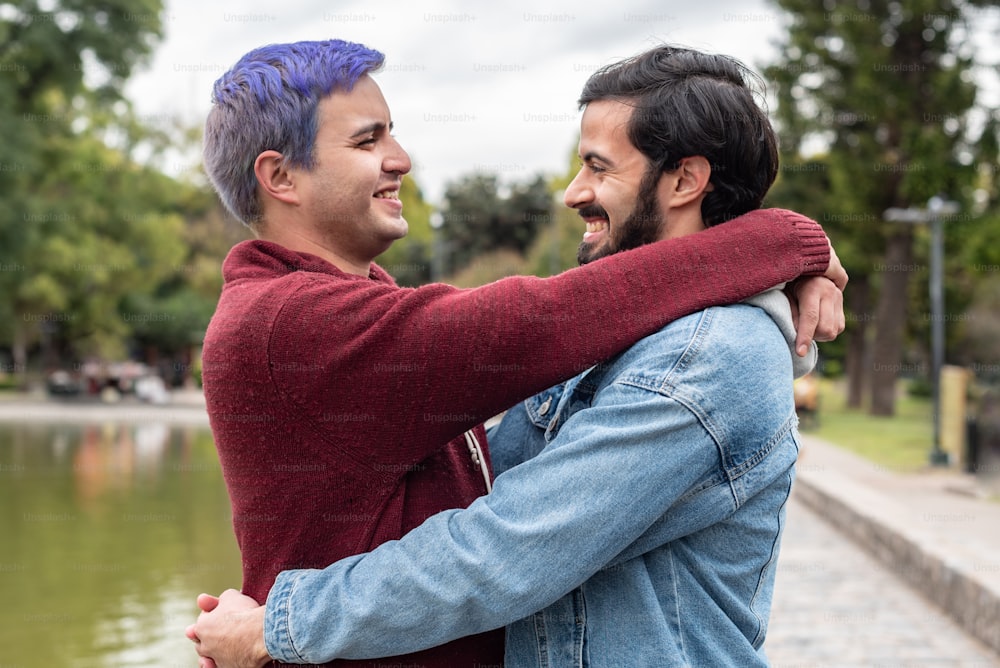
[[775, 304]]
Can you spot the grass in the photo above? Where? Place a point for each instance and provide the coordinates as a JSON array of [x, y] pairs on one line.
[[902, 442]]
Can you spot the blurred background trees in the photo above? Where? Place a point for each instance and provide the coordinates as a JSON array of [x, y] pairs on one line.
[[481, 214], [103, 255], [86, 227], [877, 107]]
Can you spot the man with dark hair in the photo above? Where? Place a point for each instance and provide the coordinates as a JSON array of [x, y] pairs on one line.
[[638, 510]]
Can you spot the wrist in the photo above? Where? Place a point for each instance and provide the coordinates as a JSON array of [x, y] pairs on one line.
[[259, 649]]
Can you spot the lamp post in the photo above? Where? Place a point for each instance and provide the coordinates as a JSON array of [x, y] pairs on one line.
[[936, 208]]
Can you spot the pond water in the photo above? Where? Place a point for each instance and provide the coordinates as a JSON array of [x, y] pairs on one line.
[[108, 531]]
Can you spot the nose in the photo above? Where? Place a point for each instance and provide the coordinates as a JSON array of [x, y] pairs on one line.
[[396, 160], [578, 193]]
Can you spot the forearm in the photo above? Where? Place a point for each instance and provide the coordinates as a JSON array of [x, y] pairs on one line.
[[548, 526], [402, 597], [564, 329], [471, 339]]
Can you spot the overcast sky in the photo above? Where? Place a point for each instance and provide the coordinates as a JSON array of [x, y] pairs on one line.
[[488, 87]]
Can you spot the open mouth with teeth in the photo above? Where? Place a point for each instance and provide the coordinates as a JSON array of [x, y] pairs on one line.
[[595, 230], [598, 226], [387, 194]]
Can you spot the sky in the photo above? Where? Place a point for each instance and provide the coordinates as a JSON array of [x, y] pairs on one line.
[[472, 87]]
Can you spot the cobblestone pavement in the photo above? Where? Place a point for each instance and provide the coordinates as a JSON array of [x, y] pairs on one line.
[[836, 607]]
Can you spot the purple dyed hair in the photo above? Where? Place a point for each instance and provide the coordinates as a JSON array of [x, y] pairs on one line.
[[267, 101]]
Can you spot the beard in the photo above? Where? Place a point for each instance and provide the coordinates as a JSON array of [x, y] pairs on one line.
[[641, 227]]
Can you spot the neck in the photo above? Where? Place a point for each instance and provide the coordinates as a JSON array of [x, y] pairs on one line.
[[303, 241], [681, 222]]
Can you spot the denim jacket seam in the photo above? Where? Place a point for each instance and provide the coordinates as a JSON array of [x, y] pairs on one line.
[[669, 382], [730, 472], [580, 625], [541, 639], [655, 376], [291, 640], [665, 381], [761, 634], [733, 470], [674, 393], [761, 454], [281, 628], [661, 382], [694, 345]]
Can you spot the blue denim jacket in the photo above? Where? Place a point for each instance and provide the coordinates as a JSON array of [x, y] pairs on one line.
[[641, 529]]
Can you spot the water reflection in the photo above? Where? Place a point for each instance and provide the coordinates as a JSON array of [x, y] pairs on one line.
[[108, 531]]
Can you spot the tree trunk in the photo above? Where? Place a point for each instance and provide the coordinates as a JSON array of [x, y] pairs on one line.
[[19, 353], [890, 318], [860, 315]]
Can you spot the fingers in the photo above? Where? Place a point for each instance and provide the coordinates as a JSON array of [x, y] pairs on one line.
[[794, 304], [835, 271], [832, 320], [820, 306], [221, 621], [203, 659], [805, 328], [192, 635], [231, 593], [207, 603]]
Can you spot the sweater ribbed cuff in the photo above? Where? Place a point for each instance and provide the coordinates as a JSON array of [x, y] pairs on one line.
[[815, 245]]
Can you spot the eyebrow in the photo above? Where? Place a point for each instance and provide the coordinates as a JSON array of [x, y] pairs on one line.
[[594, 155], [370, 128]]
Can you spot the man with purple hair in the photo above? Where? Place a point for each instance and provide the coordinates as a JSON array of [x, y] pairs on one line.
[[347, 410]]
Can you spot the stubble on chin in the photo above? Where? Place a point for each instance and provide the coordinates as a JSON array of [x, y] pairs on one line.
[[587, 253]]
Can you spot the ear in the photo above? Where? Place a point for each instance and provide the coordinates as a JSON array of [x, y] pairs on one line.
[[274, 177], [691, 180]]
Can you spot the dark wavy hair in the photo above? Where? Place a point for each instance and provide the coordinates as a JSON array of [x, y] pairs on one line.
[[689, 103], [268, 101]]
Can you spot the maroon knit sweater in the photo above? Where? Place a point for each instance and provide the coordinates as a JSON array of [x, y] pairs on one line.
[[338, 401]]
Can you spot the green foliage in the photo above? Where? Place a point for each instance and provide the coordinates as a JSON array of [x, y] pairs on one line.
[[409, 259], [97, 249], [498, 230], [48, 47], [169, 323], [899, 443], [555, 246], [885, 89], [978, 348], [101, 254], [481, 214], [99, 228]]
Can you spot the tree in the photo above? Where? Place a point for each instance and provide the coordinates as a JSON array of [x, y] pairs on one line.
[[101, 227], [886, 88], [44, 55], [100, 250], [481, 214], [53, 182]]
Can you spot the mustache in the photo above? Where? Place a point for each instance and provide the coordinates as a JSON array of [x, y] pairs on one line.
[[593, 211]]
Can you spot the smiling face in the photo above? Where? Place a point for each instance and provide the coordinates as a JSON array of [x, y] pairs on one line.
[[615, 191], [349, 199]]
